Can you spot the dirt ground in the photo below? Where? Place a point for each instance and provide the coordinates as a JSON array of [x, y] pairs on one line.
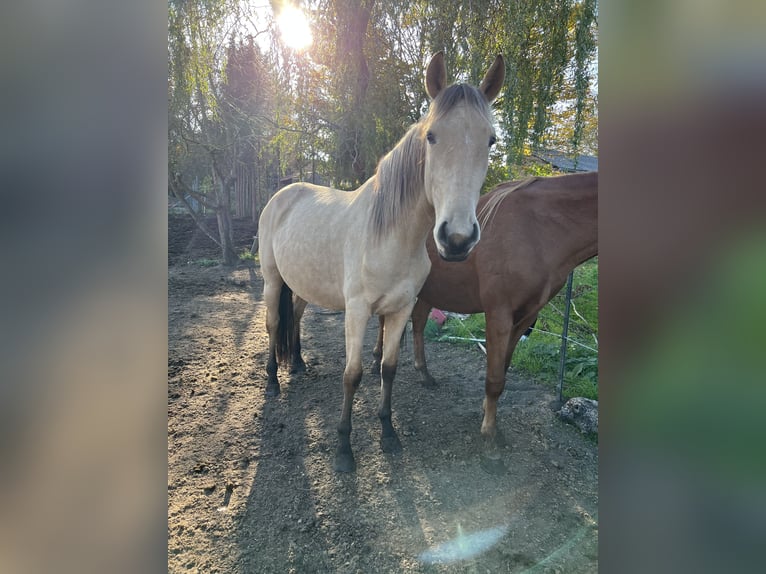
[[250, 480]]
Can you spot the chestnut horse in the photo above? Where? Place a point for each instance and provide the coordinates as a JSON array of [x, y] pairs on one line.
[[534, 233], [364, 251]]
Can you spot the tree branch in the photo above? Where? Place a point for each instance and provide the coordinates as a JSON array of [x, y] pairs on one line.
[[174, 181], [177, 181]]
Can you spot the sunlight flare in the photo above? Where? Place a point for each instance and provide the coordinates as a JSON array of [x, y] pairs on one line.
[[294, 28]]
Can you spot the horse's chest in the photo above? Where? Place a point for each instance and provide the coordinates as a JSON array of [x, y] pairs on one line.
[[397, 291], [393, 301]]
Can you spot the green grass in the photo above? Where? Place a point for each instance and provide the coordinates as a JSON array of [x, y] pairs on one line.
[[205, 262], [247, 255], [538, 356]]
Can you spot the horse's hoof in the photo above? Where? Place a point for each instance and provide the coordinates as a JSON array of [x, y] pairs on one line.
[[344, 462], [491, 460], [272, 390], [298, 368], [390, 444], [427, 380]]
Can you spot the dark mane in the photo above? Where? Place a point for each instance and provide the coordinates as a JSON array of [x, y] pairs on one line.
[[400, 175]]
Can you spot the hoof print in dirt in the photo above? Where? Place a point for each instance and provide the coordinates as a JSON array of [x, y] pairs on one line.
[[581, 412], [492, 464], [497, 441]]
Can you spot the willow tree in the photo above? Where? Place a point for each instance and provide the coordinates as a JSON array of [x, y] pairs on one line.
[[215, 97], [549, 45], [346, 100]]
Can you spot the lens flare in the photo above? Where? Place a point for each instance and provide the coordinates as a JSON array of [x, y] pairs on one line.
[[463, 546]]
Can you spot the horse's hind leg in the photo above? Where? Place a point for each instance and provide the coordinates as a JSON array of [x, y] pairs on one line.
[[296, 364], [356, 322], [419, 319], [271, 291], [392, 336]]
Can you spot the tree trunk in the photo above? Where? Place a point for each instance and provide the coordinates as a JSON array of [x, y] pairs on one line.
[[353, 18], [223, 216]]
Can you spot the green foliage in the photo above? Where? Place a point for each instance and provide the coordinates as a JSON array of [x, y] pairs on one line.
[[540, 354], [585, 46], [247, 255], [431, 331], [472, 327]]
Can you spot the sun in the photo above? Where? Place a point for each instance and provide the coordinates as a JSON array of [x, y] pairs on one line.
[[294, 28]]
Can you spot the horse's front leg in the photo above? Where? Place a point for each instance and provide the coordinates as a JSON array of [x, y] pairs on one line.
[[356, 322], [392, 336], [502, 338], [498, 333]]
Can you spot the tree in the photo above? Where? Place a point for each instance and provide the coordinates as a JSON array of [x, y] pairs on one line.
[[244, 113], [216, 101]]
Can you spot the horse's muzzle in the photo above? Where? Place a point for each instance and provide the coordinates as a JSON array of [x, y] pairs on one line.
[[456, 246]]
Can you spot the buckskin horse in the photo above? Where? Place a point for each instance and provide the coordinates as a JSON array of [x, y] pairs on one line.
[[364, 251]]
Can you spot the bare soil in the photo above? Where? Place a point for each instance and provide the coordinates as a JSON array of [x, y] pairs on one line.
[[250, 481]]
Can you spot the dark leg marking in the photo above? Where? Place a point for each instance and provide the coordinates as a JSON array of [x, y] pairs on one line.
[[389, 441]]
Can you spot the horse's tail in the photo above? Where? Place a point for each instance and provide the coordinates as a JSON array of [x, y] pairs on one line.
[[286, 329]]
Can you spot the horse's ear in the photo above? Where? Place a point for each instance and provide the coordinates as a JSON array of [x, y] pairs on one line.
[[493, 81], [436, 75]]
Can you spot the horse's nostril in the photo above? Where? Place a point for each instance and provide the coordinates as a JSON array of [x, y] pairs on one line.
[[442, 234]]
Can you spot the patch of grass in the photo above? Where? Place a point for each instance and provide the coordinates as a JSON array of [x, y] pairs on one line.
[[539, 356], [205, 262], [246, 255], [472, 327], [431, 332]]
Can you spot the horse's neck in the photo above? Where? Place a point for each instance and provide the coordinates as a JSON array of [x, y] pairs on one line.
[[412, 226]]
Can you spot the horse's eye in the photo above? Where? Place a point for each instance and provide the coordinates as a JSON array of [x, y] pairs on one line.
[[492, 141], [431, 138]]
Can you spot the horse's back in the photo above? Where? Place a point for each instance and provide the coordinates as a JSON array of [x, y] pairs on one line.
[[303, 233], [299, 201]]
